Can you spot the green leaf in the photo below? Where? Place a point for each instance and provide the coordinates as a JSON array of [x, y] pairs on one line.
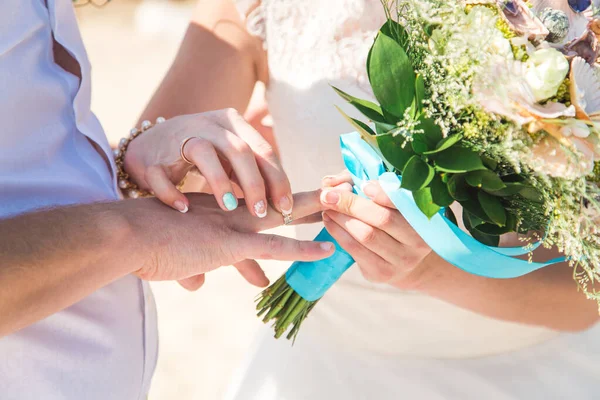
[[382, 128], [457, 187], [509, 189], [491, 229], [428, 140], [417, 174], [419, 93], [469, 220], [392, 77], [490, 240], [365, 132], [370, 110], [530, 193], [445, 143], [489, 162], [486, 179], [432, 131], [439, 192], [450, 215], [458, 159], [511, 222], [419, 143], [425, 202], [396, 31], [395, 150], [492, 207], [475, 211]]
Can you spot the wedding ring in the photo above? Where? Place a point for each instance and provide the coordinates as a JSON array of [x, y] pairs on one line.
[[183, 143], [287, 219]]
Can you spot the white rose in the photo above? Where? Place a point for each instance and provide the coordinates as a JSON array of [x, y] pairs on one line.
[[546, 70]]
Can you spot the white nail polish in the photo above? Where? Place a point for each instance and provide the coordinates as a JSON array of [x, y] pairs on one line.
[[326, 246], [260, 209], [181, 206]]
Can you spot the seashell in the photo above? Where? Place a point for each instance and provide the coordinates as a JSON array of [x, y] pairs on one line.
[[586, 45], [557, 23], [521, 19], [570, 160], [585, 89], [577, 21]]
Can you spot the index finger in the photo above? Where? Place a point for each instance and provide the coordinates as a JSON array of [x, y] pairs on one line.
[[276, 180]]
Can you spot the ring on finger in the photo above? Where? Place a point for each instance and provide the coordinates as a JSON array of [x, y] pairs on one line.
[[287, 219], [182, 148]]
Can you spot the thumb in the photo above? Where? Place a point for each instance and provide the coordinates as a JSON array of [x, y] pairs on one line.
[[158, 181]]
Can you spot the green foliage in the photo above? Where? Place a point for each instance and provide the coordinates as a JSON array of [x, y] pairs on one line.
[[417, 174], [425, 202], [445, 144], [486, 179], [370, 110], [395, 149], [439, 192], [391, 76], [457, 159], [492, 207]]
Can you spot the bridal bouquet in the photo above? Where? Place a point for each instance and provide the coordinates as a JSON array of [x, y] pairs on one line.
[[494, 105]]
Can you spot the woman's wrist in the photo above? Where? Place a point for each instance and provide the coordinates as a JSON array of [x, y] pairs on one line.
[[423, 276], [126, 162]]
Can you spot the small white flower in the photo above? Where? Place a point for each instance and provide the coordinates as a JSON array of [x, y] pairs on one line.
[[575, 128], [546, 71]]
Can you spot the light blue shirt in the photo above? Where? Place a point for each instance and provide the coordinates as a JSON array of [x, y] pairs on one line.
[[53, 152]]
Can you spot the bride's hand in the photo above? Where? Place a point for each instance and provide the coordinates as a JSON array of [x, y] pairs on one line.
[[376, 235], [221, 140]]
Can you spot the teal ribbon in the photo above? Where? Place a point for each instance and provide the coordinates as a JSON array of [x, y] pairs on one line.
[[312, 279]]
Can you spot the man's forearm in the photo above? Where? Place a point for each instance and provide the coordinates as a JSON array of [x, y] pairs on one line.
[[51, 259]]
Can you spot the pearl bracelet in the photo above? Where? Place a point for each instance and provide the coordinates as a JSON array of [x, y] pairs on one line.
[[129, 188]]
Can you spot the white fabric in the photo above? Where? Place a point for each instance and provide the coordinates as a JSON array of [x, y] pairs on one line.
[[365, 340], [105, 346]]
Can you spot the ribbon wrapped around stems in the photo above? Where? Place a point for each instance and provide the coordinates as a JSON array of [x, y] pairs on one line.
[[312, 279]]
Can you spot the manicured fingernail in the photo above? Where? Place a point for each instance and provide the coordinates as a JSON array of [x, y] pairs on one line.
[[181, 206], [325, 217], [286, 205], [260, 209], [326, 246], [370, 190], [330, 197], [229, 201], [326, 179]]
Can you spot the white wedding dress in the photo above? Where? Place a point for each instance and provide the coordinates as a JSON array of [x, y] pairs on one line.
[[368, 341]]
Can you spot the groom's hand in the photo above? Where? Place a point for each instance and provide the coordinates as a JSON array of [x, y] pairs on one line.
[[185, 246]]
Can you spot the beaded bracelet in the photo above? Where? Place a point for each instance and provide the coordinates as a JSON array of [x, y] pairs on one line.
[[129, 188]]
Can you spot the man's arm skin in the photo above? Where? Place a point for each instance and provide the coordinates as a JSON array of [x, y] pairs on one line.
[[51, 259]]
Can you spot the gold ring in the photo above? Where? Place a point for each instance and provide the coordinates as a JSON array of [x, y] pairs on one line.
[[287, 219], [183, 143]]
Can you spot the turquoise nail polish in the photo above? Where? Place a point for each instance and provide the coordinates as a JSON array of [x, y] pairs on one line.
[[230, 201]]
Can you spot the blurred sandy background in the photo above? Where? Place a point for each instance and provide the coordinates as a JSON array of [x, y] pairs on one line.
[[203, 335]]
